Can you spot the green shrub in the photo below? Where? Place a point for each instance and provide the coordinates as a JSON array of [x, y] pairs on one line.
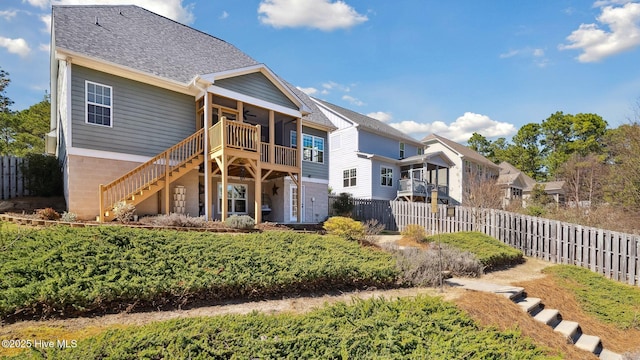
[[414, 232], [241, 222], [48, 214], [71, 271], [68, 217], [345, 228], [43, 174], [123, 211], [343, 205], [491, 252], [535, 210], [423, 267], [407, 328], [608, 300]]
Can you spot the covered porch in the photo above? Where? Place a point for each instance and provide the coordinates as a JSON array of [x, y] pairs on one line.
[[421, 174]]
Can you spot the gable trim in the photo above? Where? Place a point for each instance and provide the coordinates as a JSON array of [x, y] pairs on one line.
[[253, 101], [261, 68]]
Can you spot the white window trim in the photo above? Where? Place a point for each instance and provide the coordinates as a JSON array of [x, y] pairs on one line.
[[350, 177], [86, 102], [229, 212], [381, 176], [292, 142], [313, 139]]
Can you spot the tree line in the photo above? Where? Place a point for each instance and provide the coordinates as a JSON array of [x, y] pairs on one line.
[[22, 132], [598, 164]]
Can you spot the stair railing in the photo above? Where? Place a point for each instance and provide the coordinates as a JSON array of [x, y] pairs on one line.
[[150, 172]]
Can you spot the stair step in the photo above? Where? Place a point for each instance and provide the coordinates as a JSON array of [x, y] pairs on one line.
[[609, 355], [530, 305], [550, 317], [589, 343], [570, 329]]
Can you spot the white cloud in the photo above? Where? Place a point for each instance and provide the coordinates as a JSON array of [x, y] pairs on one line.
[[381, 115], [352, 100], [46, 19], [42, 4], [173, 9], [596, 44], [602, 3], [460, 130], [44, 47], [332, 85], [8, 14], [319, 14], [15, 46], [309, 91], [510, 53], [224, 15]]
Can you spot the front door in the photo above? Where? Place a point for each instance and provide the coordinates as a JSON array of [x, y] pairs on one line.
[[293, 199]]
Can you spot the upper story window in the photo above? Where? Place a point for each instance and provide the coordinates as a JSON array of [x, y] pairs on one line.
[[386, 176], [467, 167], [401, 150], [349, 177], [420, 151], [312, 148], [99, 104], [293, 138]]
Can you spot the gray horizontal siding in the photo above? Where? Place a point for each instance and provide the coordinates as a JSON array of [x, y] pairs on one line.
[[256, 85], [312, 169], [146, 120], [380, 145]]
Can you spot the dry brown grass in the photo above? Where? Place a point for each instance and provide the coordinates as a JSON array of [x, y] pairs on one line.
[[406, 241], [494, 310], [555, 297]]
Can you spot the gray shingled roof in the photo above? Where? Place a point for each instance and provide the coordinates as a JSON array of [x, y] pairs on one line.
[[145, 41], [369, 122], [132, 36], [461, 149]]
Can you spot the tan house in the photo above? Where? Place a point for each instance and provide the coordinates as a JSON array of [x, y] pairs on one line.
[[518, 186]]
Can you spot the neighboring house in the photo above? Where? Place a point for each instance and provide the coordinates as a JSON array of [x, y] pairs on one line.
[[519, 186], [467, 164], [373, 160], [160, 115]]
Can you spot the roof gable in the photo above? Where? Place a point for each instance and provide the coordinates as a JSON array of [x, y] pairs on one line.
[[368, 123], [460, 149]]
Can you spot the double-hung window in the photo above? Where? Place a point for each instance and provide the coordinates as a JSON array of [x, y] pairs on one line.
[[312, 148], [349, 177], [386, 176], [402, 150], [236, 198], [99, 104]]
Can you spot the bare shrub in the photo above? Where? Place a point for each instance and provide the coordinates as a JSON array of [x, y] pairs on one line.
[[179, 220], [123, 211], [242, 222], [69, 217], [372, 228], [48, 214], [271, 226], [422, 267]]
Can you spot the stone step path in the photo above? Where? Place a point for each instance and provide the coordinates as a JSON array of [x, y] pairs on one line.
[[535, 308]]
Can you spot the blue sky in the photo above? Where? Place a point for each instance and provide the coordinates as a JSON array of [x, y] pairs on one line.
[[449, 67]]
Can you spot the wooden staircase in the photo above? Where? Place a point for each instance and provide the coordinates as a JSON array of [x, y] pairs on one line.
[[154, 175]]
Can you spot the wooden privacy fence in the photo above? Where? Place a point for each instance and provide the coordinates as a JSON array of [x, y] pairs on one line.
[[610, 253], [12, 182]]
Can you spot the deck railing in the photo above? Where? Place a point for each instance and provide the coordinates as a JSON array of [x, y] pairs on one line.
[[151, 171], [235, 135], [285, 155]]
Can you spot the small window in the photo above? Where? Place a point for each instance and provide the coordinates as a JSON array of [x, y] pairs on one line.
[[99, 104], [312, 148], [349, 177], [467, 167], [401, 150], [420, 151], [293, 138], [386, 176]]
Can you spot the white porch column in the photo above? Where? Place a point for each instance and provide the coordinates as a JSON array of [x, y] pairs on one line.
[[207, 159]]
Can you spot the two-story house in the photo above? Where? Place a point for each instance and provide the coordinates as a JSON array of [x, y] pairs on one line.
[[468, 165], [373, 160], [170, 119], [519, 186]]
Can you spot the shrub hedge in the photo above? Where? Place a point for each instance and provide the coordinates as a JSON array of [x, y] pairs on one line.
[[68, 271], [408, 328], [491, 252]]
